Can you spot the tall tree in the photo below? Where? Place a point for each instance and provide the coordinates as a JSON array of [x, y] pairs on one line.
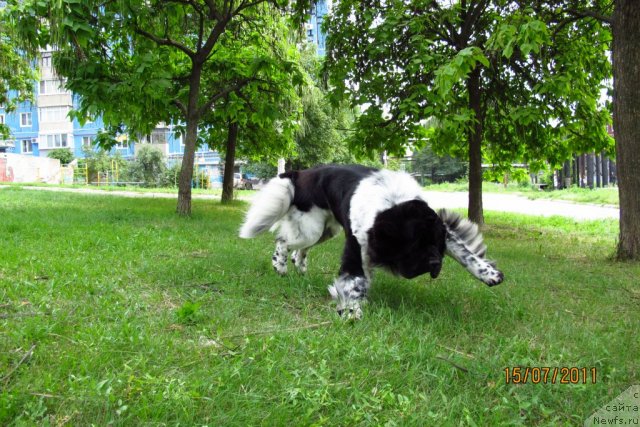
[[321, 136], [623, 17], [501, 80], [137, 63], [626, 111], [17, 76], [258, 119]]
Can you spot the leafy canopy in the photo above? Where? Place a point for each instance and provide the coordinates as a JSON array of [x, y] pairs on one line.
[[132, 61], [540, 76], [17, 76]]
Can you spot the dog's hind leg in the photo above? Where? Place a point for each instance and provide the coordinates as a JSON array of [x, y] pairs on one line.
[[299, 259], [280, 255]]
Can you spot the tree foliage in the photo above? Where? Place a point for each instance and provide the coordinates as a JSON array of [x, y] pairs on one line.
[[148, 166], [17, 76], [260, 118], [322, 135], [428, 164], [138, 63], [503, 80]]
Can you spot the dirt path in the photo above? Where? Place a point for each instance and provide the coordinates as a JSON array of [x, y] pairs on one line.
[[519, 204]]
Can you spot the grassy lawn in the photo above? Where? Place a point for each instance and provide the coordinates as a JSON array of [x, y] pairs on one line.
[[238, 193], [599, 196], [115, 311]]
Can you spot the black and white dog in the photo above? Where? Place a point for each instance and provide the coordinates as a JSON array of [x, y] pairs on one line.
[[387, 223]]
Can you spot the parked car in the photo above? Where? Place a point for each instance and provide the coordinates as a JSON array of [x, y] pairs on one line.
[[241, 181]]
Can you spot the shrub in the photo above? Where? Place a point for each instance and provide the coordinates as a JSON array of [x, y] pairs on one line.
[[63, 154], [149, 166]]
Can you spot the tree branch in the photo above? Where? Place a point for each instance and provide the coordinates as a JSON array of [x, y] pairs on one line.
[[216, 32], [591, 14], [471, 19], [224, 92], [181, 106], [245, 5], [165, 42]]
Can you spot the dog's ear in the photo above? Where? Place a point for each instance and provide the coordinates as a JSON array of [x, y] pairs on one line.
[[386, 230]]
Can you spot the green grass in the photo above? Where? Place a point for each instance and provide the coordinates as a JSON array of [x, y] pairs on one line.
[[138, 317], [600, 196], [238, 193]]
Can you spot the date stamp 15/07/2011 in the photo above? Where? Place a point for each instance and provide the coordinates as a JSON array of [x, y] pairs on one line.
[[550, 375]]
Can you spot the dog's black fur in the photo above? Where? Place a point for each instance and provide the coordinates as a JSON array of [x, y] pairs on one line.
[[386, 221]]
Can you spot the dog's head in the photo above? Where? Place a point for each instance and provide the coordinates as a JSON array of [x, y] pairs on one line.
[[409, 239]]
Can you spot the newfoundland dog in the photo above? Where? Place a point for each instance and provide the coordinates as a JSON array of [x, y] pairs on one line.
[[386, 221]]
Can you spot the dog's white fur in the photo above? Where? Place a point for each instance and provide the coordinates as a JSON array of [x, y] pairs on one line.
[[268, 207], [376, 193], [272, 209]]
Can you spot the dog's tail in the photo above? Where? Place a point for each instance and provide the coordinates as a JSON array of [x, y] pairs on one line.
[[268, 206], [465, 245]]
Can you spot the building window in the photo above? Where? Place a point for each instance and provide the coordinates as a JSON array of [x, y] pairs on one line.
[[159, 137], [87, 141], [54, 114], [45, 61], [27, 145], [25, 120], [58, 140], [1, 119], [49, 87], [122, 145]]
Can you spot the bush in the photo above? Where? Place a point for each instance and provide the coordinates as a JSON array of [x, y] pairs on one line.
[[112, 168], [261, 170], [148, 167], [171, 176], [63, 154]]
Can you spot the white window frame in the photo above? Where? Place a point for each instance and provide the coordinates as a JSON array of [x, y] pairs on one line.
[[87, 142], [156, 135], [54, 114], [124, 145], [50, 87], [23, 116], [51, 142], [30, 142], [45, 61]]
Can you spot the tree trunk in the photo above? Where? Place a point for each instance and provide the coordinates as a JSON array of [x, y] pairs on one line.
[[591, 168], [475, 212], [229, 163], [598, 170], [582, 170], [186, 171], [567, 174], [605, 169], [190, 140], [613, 172], [626, 126]]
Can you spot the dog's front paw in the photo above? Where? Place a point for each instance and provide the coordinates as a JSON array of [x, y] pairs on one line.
[[349, 292], [352, 312], [492, 276], [279, 265]]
